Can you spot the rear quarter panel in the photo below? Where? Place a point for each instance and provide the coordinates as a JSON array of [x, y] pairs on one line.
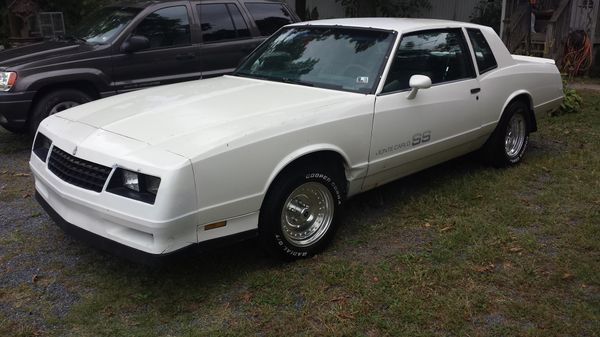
[[538, 78]]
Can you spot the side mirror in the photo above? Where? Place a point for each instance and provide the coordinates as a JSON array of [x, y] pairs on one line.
[[418, 82], [135, 43]]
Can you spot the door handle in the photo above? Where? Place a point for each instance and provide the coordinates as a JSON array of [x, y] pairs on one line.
[[475, 91], [185, 57]]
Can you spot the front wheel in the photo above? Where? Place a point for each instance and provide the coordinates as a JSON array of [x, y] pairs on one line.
[[299, 214], [509, 142], [55, 102]]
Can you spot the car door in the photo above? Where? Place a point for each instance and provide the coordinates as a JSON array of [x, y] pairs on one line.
[[226, 37], [439, 122], [171, 56]]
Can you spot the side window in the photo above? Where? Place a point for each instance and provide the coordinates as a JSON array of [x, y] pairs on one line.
[[483, 53], [442, 55], [166, 27], [222, 22], [269, 17]]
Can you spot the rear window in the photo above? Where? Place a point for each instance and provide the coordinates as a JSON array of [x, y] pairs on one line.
[[269, 17], [221, 22], [483, 53]]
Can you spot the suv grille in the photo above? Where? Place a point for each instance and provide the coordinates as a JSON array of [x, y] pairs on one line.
[[78, 172]]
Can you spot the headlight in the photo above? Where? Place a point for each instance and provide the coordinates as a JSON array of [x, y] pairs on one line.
[[41, 146], [7, 80], [134, 185]]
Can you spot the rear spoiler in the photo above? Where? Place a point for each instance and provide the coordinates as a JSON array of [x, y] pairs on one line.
[[532, 59]]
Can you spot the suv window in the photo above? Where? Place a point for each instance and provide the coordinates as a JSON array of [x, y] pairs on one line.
[[222, 22], [442, 55], [166, 27], [483, 53], [269, 17]]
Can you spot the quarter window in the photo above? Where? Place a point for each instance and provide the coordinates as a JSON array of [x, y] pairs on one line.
[[442, 55], [222, 22], [483, 53], [269, 17], [166, 27]]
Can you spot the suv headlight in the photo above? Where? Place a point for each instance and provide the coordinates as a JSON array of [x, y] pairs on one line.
[[134, 185], [7, 80]]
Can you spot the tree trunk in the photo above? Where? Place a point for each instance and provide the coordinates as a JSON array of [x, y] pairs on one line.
[[366, 8], [301, 9]]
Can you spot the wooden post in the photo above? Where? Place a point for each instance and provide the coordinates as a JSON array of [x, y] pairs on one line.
[[502, 20]]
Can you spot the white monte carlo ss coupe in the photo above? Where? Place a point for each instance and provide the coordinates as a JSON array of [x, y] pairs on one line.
[[320, 112]]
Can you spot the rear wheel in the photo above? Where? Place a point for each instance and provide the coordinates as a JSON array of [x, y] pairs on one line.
[[508, 143], [299, 214], [55, 102]]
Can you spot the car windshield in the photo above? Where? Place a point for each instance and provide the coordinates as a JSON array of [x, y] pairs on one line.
[[105, 24], [349, 59]]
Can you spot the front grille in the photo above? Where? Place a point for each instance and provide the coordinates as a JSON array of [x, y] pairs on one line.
[[78, 172]]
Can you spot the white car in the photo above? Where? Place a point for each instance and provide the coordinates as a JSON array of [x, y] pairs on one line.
[[320, 112]]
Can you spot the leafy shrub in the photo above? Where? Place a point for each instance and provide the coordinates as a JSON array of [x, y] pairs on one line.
[[572, 103]]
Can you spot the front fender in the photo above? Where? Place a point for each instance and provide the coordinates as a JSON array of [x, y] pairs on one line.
[[36, 82], [303, 152]]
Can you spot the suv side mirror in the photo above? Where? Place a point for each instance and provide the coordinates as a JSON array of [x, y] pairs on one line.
[[135, 43], [418, 82]]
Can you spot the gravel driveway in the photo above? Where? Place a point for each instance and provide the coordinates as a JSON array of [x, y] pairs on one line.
[[32, 279]]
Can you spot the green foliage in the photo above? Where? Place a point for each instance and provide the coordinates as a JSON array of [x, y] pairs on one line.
[[488, 13], [572, 103], [401, 8]]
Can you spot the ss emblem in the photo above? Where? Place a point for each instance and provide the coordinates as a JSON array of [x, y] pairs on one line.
[[421, 138]]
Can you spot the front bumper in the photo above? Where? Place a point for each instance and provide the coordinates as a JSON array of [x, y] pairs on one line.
[[103, 243], [14, 108], [133, 254]]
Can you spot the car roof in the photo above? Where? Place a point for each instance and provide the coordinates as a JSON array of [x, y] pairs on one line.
[[396, 24]]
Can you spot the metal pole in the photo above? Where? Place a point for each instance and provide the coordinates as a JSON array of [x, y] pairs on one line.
[[503, 17]]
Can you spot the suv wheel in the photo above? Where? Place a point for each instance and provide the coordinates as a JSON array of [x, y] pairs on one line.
[[55, 102]]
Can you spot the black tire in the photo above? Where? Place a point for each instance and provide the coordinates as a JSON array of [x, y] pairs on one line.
[[310, 187], [55, 101], [508, 143]]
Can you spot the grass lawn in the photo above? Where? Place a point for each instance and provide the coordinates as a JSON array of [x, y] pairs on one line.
[[461, 249]]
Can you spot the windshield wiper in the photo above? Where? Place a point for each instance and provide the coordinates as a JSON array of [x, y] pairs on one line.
[[71, 38], [295, 81], [275, 79]]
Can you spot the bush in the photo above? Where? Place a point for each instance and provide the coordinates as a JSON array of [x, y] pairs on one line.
[[572, 103]]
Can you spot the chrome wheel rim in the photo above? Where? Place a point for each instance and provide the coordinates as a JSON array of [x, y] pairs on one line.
[[62, 106], [515, 135], [307, 214]]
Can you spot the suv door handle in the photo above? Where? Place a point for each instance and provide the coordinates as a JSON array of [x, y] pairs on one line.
[[185, 57], [475, 91]]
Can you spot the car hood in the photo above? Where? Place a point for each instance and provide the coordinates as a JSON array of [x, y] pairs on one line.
[[45, 52], [221, 110]]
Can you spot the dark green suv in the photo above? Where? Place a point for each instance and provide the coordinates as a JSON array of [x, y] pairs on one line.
[[130, 46]]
